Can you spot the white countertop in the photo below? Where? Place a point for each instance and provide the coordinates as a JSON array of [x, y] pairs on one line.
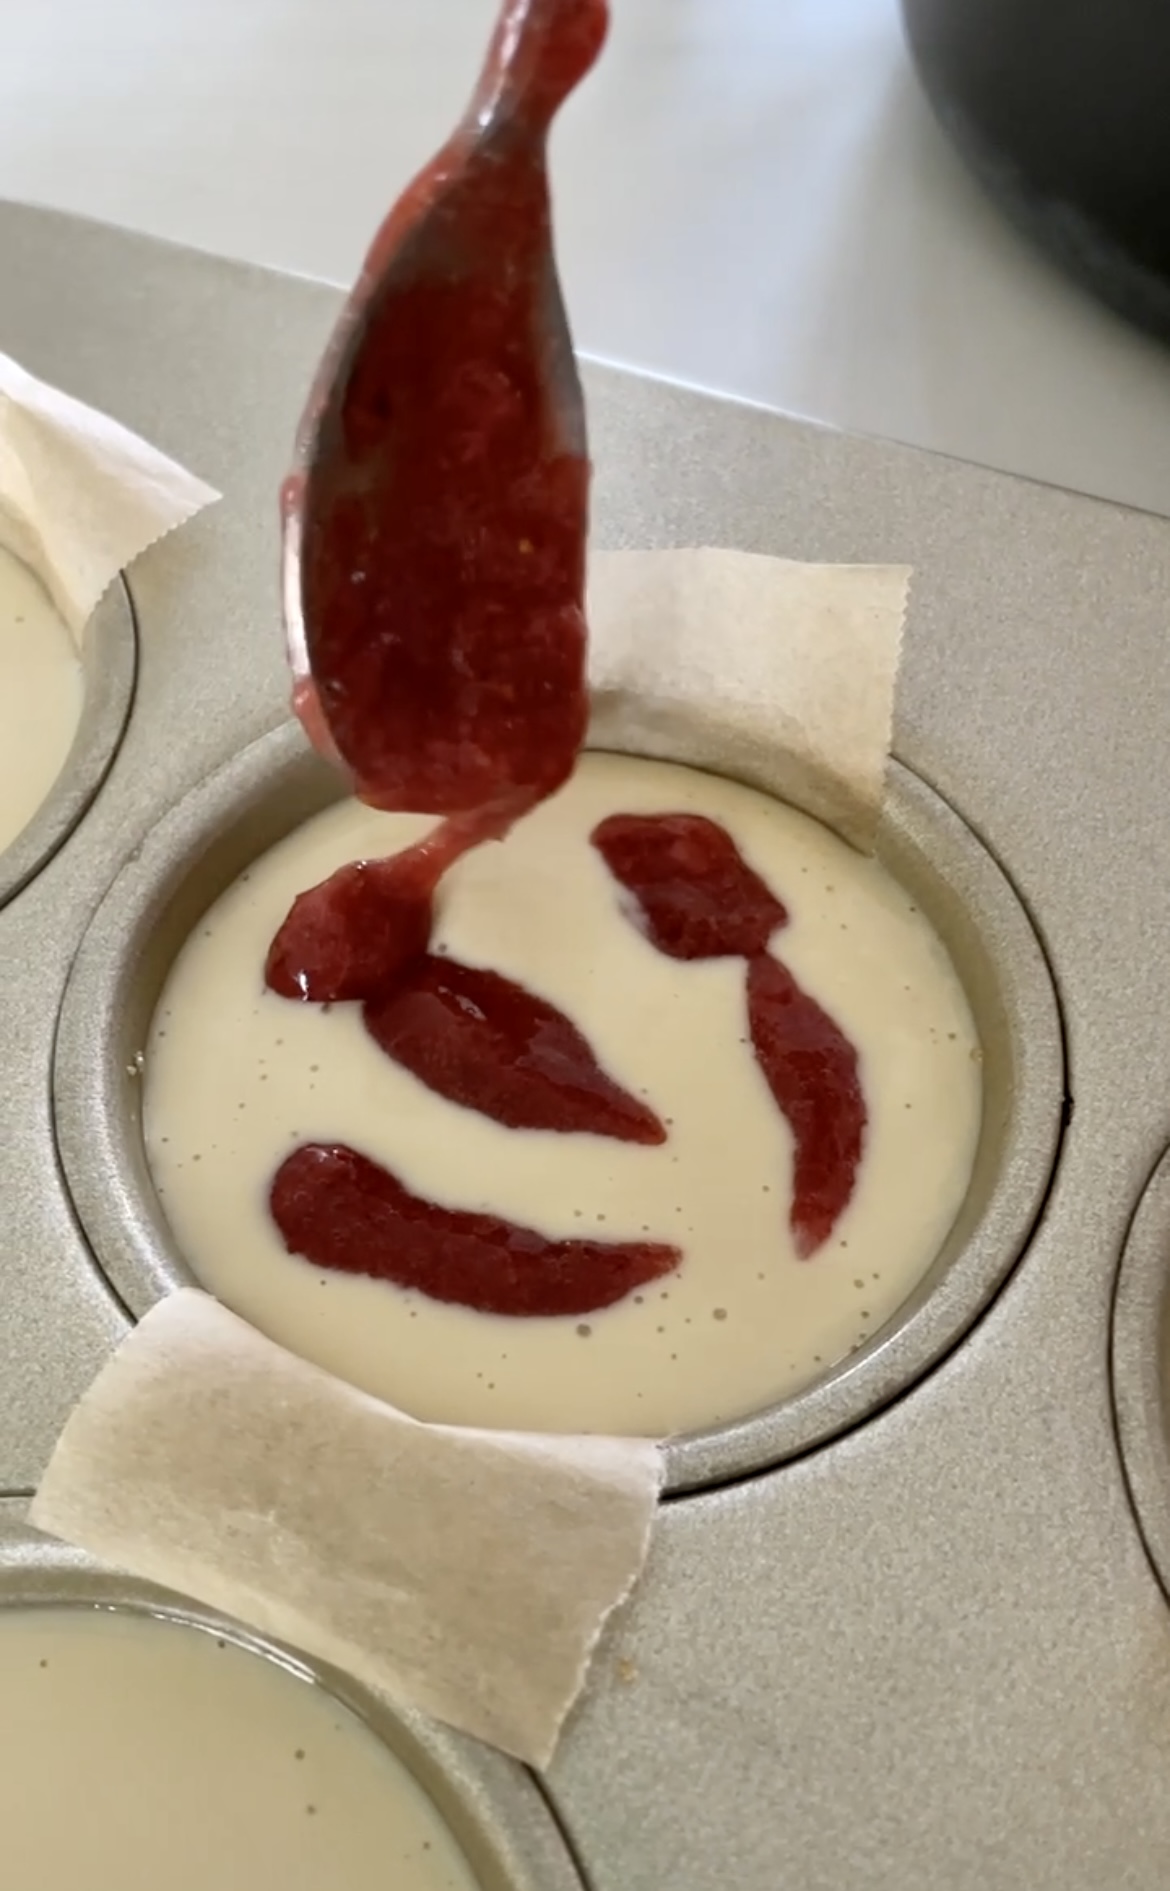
[[752, 197]]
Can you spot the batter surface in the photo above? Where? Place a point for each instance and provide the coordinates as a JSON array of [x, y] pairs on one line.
[[236, 1077], [140, 1754], [40, 696]]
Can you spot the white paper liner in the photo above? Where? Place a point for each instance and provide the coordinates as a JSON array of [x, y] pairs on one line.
[[779, 674], [80, 496], [467, 1573]]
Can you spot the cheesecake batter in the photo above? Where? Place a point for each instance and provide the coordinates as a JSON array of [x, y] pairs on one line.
[[40, 696], [236, 1078], [140, 1754]]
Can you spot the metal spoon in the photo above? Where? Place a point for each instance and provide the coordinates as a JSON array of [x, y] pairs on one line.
[[475, 222]]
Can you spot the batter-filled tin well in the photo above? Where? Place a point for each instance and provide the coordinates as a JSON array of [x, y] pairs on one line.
[[1141, 1366], [148, 1740], [1001, 1057], [62, 716]]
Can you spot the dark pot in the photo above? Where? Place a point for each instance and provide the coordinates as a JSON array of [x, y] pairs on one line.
[[1062, 109]]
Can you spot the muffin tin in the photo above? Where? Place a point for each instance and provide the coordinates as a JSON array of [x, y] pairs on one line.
[[925, 1649]]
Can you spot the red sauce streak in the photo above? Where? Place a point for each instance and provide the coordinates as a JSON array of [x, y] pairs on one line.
[[696, 898], [811, 1069], [341, 1211], [352, 935], [486, 1043]]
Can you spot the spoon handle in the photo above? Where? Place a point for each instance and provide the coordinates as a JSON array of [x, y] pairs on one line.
[[540, 50]]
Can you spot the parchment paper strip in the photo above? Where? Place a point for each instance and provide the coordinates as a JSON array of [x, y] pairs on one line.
[[780, 674], [467, 1573], [80, 495]]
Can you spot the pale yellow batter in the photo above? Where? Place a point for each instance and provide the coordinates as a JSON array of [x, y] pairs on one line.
[[140, 1755], [235, 1078], [40, 696]]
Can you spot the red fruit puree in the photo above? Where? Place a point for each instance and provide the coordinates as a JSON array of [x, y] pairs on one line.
[[696, 898], [442, 563], [442, 547]]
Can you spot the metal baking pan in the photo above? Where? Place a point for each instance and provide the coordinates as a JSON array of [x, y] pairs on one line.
[[934, 1651], [492, 1806], [201, 847], [109, 662]]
